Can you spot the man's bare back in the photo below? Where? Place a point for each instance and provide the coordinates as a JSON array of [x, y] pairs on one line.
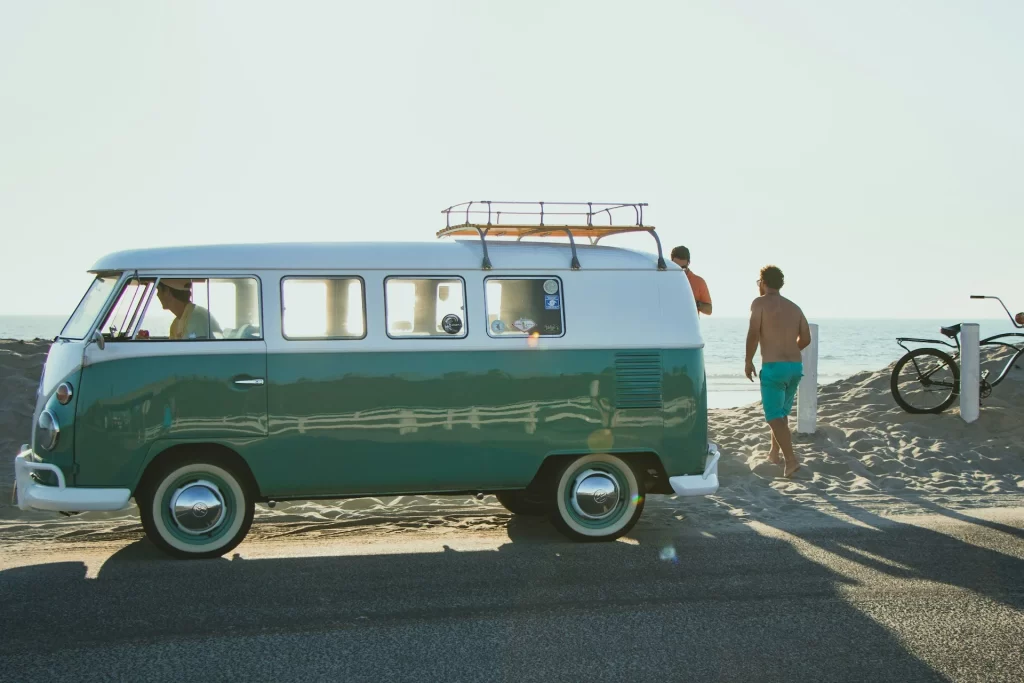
[[781, 327]]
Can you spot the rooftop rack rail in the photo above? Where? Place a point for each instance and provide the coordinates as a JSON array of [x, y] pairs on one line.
[[527, 219]]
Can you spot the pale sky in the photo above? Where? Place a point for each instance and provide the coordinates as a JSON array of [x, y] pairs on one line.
[[873, 150]]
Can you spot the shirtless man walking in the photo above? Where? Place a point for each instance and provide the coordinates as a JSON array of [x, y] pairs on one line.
[[779, 326]]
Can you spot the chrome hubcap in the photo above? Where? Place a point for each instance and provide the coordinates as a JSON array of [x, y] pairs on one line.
[[595, 495], [197, 507]]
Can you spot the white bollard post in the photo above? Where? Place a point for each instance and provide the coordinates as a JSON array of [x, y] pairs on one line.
[[970, 372], [807, 397]]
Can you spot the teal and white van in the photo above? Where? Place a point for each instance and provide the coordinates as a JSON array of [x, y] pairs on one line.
[[567, 379]]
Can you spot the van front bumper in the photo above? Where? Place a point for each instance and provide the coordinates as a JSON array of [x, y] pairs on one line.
[[699, 484], [60, 498]]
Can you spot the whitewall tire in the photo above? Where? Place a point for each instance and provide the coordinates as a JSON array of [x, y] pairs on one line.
[[196, 508], [596, 497]]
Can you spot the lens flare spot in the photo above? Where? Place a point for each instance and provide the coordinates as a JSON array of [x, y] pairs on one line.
[[533, 339], [668, 554]]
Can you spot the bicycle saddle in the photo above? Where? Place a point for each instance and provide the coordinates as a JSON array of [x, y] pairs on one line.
[[951, 331]]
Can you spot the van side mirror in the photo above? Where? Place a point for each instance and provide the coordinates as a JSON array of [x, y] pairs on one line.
[[97, 338]]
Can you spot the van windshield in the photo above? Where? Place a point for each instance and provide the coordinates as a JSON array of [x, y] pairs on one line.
[[89, 309]]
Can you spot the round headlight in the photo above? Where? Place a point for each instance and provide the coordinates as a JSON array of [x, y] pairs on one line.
[[64, 393], [49, 430]]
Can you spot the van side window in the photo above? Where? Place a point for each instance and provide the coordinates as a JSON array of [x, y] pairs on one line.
[[123, 319], [323, 308], [202, 309], [524, 306], [425, 307]]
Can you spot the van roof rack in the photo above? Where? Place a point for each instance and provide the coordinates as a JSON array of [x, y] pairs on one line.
[[527, 219]]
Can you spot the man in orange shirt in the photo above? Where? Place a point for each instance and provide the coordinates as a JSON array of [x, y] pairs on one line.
[[681, 257]]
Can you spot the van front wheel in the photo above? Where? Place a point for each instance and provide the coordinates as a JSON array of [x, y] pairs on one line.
[[597, 497], [195, 509]]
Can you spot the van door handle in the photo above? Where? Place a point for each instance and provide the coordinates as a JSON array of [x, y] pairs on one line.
[[250, 382]]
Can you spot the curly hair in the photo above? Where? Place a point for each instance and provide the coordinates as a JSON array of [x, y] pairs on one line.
[[772, 277], [681, 253]]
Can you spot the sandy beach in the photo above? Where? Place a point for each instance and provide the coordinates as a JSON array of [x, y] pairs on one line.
[[866, 450]]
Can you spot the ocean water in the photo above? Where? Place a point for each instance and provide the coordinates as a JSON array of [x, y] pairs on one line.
[[845, 347], [31, 326]]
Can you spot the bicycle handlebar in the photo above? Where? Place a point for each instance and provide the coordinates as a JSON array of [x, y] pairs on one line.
[[1012, 319]]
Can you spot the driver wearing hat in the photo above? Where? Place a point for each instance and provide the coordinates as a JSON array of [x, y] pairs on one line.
[[190, 321]]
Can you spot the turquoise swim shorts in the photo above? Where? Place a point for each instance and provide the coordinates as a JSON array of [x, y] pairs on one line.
[[778, 388]]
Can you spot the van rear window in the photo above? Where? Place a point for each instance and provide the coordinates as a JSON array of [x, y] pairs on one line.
[[524, 306], [425, 307]]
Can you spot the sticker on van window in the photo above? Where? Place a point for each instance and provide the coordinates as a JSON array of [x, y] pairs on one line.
[[552, 302], [498, 326], [551, 286], [524, 324], [451, 323]]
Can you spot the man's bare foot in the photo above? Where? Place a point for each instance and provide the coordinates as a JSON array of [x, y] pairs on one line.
[[791, 469], [773, 457]]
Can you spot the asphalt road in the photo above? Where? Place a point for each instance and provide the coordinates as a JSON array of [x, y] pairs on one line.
[[933, 598]]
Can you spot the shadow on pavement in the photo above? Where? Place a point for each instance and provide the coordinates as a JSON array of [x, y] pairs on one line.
[[696, 606]]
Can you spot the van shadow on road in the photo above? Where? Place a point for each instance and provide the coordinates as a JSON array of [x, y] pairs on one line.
[[738, 605]]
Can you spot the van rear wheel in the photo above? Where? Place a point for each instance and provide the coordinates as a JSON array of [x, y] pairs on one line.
[[195, 509], [522, 503], [596, 497]]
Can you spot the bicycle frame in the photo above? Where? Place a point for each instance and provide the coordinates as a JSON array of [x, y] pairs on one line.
[[1000, 340], [991, 341], [988, 341]]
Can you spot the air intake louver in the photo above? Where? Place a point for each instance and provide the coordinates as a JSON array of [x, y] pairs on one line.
[[638, 379]]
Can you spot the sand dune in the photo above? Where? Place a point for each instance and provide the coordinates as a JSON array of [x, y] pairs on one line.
[[865, 450], [21, 365], [865, 444]]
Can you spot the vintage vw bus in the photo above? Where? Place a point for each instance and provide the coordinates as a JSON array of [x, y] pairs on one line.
[[566, 378]]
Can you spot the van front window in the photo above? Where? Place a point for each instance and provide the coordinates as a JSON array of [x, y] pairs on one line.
[[90, 307]]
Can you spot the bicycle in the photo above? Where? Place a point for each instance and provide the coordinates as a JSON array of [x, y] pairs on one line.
[[931, 382]]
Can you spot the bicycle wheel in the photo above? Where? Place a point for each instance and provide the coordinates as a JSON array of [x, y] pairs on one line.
[[925, 381]]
